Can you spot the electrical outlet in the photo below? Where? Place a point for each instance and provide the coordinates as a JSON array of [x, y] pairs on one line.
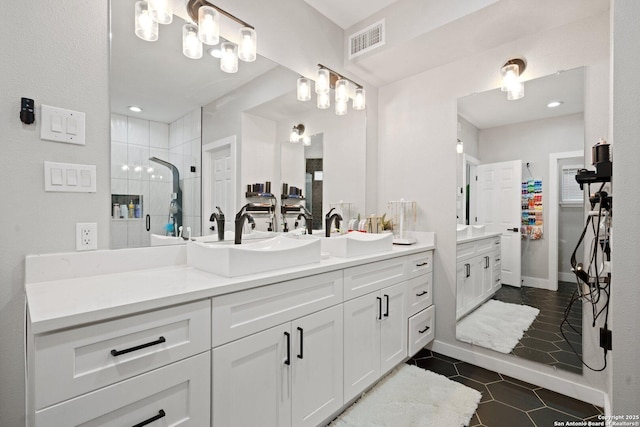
[[86, 236]]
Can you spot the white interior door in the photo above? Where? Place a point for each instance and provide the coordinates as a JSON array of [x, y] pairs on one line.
[[219, 180], [499, 208]]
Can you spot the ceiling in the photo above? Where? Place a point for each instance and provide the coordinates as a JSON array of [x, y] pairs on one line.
[[492, 109], [350, 12]]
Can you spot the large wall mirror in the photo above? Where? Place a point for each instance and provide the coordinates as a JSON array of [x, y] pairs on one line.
[[203, 136], [520, 214]]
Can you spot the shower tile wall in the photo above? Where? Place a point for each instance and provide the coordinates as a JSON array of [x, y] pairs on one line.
[[133, 141], [185, 152]]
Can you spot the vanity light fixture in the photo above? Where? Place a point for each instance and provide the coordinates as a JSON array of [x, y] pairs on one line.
[[511, 83], [204, 28], [554, 104], [459, 147], [297, 132], [327, 79]]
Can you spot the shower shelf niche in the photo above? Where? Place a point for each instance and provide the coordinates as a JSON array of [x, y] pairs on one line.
[[120, 199]]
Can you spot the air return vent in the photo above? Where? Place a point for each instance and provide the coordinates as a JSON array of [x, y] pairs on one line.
[[366, 40]]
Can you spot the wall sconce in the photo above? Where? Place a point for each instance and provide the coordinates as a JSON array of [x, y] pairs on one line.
[[327, 79], [296, 133], [459, 147], [205, 28], [511, 83]]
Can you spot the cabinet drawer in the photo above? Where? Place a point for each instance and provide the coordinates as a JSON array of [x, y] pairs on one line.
[[484, 245], [175, 395], [419, 294], [418, 264], [367, 278], [421, 329], [243, 313], [79, 360], [465, 251]]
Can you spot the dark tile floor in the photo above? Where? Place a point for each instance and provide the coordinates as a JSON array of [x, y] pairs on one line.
[[506, 401], [543, 342]]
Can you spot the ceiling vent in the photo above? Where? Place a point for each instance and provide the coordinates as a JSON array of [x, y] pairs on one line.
[[366, 40]]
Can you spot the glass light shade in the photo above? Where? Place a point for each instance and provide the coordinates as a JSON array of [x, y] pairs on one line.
[[161, 11], [191, 44], [515, 92], [510, 76], [342, 91], [208, 25], [293, 137], [322, 81], [248, 44], [306, 141], [459, 147], [341, 108], [323, 101], [304, 89], [229, 60], [359, 101], [146, 26]]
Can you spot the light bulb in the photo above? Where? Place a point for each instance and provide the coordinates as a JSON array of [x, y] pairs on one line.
[[516, 91], [191, 44], [229, 59], [248, 44], [304, 89], [459, 147], [146, 26], [323, 101], [160, 11], [306, 141], [359, 102], [293, 137], [322, 81], [341, 91], [510, 76], [341, 108], [208, 25]]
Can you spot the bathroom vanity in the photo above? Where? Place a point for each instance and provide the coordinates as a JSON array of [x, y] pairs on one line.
[[477, 271], [132, 336]]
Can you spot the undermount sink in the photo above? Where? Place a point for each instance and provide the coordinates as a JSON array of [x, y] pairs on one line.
[[357, 244], [230, 260]]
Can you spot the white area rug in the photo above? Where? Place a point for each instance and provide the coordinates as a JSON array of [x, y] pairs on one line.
[[412, 397], [496, 325]]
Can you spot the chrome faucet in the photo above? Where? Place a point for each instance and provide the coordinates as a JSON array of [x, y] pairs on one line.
[[308, 219], [240, 217], [328, 219], [218, 217]]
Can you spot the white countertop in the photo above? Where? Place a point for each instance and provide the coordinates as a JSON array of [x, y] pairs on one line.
[[474, 238], [65, 290]]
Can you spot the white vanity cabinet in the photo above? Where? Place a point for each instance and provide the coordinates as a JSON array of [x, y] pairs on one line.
[[102, 373], [421, 312], [289, 375], [477, 273]]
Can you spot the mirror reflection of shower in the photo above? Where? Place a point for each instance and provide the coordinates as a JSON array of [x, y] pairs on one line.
[[174, 219]]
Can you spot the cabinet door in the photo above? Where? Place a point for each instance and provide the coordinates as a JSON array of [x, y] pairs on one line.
[[361, 343], [316, 362], [477, 281], [393, 327], [251, 380], [461, 297]]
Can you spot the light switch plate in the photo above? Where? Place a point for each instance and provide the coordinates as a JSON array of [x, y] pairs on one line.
[[69, 177], [60, 125]]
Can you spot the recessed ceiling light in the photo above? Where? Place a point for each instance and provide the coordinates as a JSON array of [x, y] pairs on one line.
[[135, 108], [554, 104]]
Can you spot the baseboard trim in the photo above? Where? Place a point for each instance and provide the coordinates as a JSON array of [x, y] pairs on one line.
[[542, 379], [536, 282], [567, 277]]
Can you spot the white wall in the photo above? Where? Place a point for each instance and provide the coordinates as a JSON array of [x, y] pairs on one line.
[[417, 135], [532, 142], [625, 382], [57, 54]]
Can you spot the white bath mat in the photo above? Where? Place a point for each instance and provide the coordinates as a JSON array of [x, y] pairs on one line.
[[412, 397], [496, 325]]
